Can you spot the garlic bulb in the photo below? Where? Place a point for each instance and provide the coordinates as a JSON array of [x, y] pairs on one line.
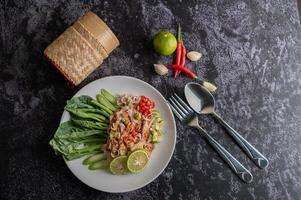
[[160, 69], [194, 55]]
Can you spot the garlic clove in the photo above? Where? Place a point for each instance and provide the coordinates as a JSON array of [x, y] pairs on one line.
[[194, 55], [160, 69], [209, 86]]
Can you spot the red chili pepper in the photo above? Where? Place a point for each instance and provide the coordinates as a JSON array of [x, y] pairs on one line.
[[183, 69], [183, 60], [183, 55]]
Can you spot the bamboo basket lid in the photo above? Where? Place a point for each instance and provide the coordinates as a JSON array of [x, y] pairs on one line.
[[81, 48], [99, 30]]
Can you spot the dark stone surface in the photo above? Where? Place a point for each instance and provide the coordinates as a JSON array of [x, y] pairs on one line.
[[251, 51]]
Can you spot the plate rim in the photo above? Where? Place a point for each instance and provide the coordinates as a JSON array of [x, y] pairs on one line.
[[173, 122]]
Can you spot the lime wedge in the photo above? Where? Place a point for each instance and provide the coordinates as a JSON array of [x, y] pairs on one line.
[[137, 161], [118, 165]]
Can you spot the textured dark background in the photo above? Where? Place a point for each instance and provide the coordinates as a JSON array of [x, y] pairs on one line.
[[251, 51]]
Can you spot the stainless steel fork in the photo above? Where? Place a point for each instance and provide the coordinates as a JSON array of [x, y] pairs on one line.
[[188, 116]]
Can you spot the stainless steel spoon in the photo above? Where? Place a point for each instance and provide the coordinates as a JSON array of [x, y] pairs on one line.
[[202, 102]]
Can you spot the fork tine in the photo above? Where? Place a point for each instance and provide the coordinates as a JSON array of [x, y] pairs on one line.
[[183, 103], [179, 105], [176, 107], [175, 111]]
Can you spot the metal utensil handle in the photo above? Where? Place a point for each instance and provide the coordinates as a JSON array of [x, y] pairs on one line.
[[251, 151], [234, 164]]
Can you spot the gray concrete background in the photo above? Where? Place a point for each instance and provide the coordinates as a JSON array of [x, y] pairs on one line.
[[251, 51]]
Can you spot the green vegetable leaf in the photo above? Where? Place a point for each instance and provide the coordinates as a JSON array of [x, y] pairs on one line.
[[85, 133], [89, 124], [82, 101], [68, 130], [86, 115], [74, 142]]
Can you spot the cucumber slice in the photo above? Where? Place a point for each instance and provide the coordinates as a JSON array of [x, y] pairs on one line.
[[94, 158], [102, 100], [112, 99], [102, 164]]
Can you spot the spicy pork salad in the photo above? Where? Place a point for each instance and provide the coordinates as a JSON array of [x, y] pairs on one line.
[[117, 133]]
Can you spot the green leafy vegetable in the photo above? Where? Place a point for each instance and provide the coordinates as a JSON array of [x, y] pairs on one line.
[[84, 152], [74, 142], [91, 110], [86, 131], [89, 124], [86, 115], [83, 101], [68, 130], [83, 107]]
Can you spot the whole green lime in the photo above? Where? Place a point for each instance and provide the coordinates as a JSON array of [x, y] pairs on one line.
[[165, 43]]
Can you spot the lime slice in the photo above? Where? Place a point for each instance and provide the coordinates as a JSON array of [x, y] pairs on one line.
[[137, 161], [118, 165], [165, 43]]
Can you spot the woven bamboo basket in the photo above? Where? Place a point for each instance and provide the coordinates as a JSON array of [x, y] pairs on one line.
[[81, 48]]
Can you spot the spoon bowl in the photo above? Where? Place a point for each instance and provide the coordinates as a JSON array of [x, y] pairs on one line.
[[199, 98]]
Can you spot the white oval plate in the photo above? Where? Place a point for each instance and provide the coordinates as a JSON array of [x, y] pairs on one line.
[[160, 157]]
